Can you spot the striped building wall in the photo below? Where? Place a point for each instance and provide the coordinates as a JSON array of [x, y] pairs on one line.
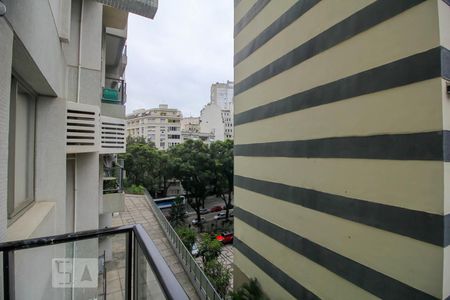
[[342, 148]]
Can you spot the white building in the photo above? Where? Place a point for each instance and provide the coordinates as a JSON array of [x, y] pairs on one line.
[[222, 94], [161, 125], [212, 121], [62, 119], [217, 116], [190, 124]]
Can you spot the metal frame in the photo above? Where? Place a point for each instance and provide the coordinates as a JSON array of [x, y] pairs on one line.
[[169, 284]]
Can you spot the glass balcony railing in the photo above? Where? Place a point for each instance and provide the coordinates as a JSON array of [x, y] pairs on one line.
[[114, 91], [75, 266]]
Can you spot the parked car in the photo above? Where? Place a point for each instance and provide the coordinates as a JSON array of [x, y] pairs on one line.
[[204, 211], [215, 208], [225, 238], [195, 221], [195, 250], [220, 216]]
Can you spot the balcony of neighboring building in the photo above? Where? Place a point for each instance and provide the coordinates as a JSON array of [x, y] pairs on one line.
[[113, 199], [115, 62], [114, 97]]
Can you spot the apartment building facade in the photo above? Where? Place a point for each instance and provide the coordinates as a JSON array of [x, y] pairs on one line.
[[217, 116], [190, 130], [341, 151], [62, 122], [161, 125], [222, 94]]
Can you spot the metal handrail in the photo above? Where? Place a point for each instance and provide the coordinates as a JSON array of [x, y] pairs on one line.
[[198, 278], [169, 284]]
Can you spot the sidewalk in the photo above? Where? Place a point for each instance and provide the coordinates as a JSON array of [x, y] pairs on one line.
[[137, 211]]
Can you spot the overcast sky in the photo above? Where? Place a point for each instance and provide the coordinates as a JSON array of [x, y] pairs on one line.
[[175, 58]]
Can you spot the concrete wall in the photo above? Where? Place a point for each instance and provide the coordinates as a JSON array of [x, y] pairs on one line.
[[340, 155], [211, 120], [86, 206], [91, 53], [40, 44], [5, 87], [50, 166]]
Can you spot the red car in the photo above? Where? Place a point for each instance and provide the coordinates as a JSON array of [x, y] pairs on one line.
[[215, 208], [225, 238]]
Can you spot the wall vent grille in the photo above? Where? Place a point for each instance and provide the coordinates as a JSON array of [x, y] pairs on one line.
[[82, 128], [112, 135]]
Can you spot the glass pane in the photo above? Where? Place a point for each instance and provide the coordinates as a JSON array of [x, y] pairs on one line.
[[147, 284], [24, 149], [114, 273], [76, 270]]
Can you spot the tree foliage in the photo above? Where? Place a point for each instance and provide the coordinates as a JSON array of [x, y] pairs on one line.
[[178, 213], [147, 166], [187, 236], [141, 161], [249, 291], [209, 248], [192, 166], [219, 276], [223, 171]]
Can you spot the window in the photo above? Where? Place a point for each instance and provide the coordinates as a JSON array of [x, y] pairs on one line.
[[21, 160]]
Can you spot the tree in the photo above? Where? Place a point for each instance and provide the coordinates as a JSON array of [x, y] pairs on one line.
[[187, 236], [249, 291], [209, 248], [165, 170], [141, 161], [148, 166], [218, 275], [192, 165], [223, 170], [178, 213]]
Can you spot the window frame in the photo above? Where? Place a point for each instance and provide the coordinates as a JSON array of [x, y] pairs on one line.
[[14, 213]]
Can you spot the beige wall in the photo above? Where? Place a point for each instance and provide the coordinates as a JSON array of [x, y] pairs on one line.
[[341, 168]]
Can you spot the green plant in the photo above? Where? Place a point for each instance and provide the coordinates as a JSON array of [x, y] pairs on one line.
[[209, 248], [218, 275], [187, 236], [249, 291], [135, 189], [178, 213]]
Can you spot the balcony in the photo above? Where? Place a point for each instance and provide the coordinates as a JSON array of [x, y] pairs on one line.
[[145, 8], [114, 91], [113, 194], [71, 267]]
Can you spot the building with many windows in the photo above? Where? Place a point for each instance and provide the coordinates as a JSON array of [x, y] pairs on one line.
[[341, 148], [161, 125]]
